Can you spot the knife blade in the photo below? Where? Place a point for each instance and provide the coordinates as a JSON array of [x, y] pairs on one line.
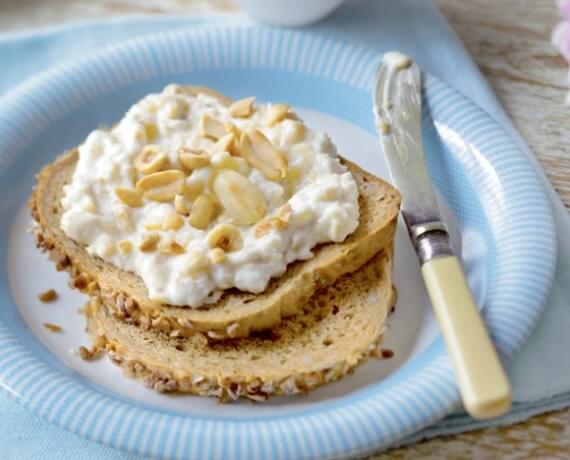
[[483, 384], [397, 111]]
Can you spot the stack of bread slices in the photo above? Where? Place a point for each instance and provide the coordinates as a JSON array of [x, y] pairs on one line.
[[311, 326]]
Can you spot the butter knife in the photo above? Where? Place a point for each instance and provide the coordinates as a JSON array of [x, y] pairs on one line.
[[483, 384]]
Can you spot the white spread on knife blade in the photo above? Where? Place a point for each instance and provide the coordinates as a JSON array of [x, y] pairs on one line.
[[177, 193], [392, 61], [396, 60]]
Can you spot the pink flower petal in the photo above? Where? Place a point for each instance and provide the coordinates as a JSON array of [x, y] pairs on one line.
[[564, 7], [560, 38]]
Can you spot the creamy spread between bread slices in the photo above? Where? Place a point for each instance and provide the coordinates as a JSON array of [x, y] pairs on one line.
[[197, 197]]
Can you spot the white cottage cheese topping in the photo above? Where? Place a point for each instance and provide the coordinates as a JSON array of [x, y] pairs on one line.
[[202, 211]]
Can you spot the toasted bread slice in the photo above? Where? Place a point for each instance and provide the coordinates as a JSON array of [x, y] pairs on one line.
[[338, 328], [236, 314]]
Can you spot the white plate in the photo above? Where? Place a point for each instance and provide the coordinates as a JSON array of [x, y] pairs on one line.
[[415, 323]]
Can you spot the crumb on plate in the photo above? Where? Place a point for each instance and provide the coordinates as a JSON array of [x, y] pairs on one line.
[[387, 353], [53, 327], [48, 296], [88, 354]]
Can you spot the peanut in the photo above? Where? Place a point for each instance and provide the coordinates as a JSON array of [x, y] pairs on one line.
[[197, 264], [150, 160], [226, 237], [192, 159], [181, 205], [151, 131], [173, 222], [260, 153], [163, 185], [232, 128], [217, 256], [266, 225], [130, 197], [125, 246], [210, 127], [170, 247], [225, 144], [275, 113], [177, 109], [242, 108], [149, 242], [240, 198], [202, 212]]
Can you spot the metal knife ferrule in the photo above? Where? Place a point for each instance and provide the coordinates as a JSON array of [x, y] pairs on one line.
[[432, 245]]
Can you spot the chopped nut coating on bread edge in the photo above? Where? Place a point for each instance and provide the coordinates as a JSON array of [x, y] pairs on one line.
[[237, 314], [340, 327]]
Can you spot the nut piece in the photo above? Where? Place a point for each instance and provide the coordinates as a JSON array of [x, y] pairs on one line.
[[125, 247], [266, 225], [210, 127], [48, 296], [171, 247], [177, 109], [226, 237], [275, 113], [225, 144], [124, 221], [197, 264], [241, 166], [151, 131], [152, 107], [152, 225], [149, 242], [293, 175], [291, 180], [150, 160], [223, 160], [193, 159], [163, 185], [181, 205], [241, 108], [130, 197], [232, 128], [193, 189], [172, 222], [202, 212], [87, 354], [240, 198], [295, 133], [217, 256], [53, 327], [260, 153], [285, 212]]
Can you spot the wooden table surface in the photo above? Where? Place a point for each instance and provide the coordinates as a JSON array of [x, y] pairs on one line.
[[509, 40]]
